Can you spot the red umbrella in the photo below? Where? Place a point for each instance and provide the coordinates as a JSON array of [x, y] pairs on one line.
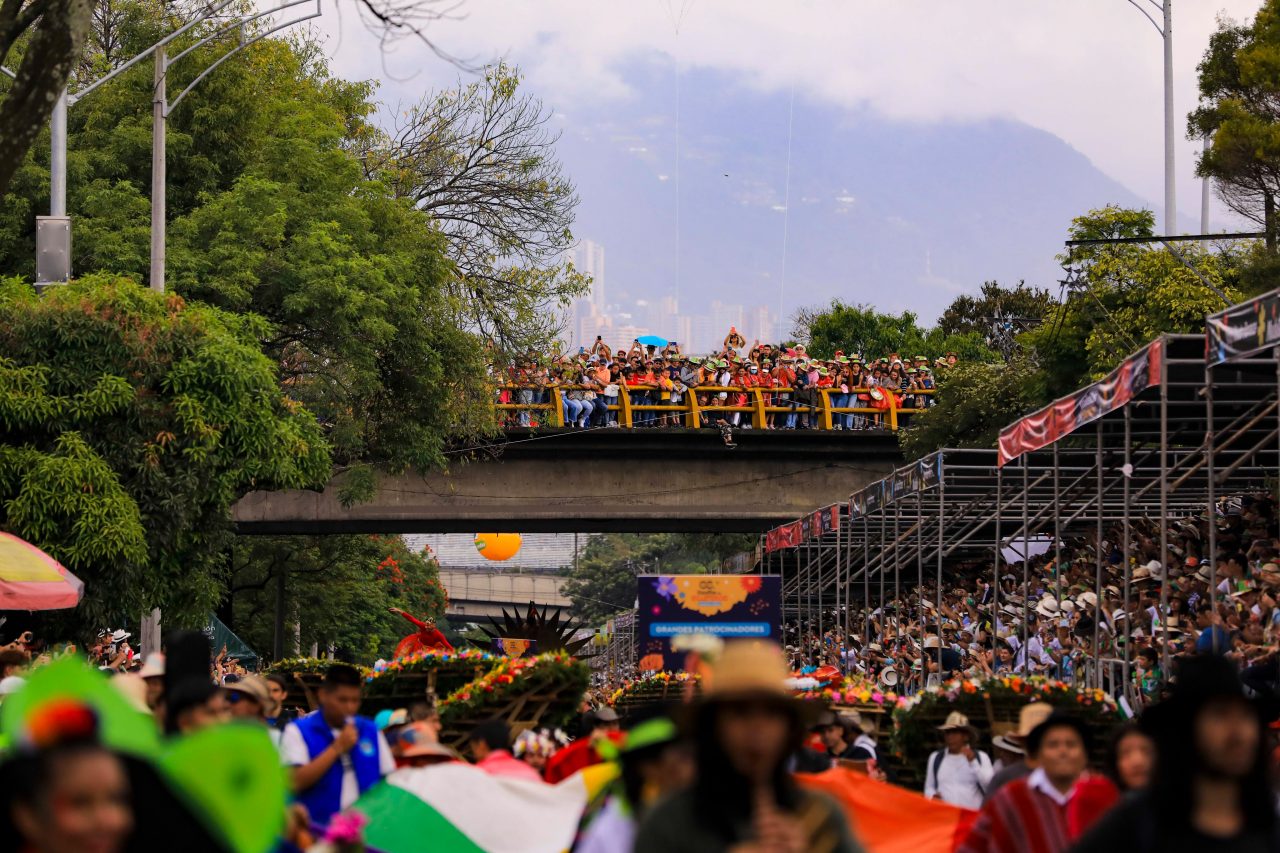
[[32, 580]]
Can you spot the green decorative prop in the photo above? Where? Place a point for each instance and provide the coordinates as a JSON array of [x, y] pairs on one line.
[[231, 776]]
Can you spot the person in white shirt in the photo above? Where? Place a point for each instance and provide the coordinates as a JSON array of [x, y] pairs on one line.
[[958, 774], [335, 755]]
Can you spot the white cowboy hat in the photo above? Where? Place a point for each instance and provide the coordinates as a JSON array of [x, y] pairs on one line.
[[1048, 606], [889, 676]]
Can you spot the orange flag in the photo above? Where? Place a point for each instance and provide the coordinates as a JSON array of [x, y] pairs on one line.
[[889, 819]]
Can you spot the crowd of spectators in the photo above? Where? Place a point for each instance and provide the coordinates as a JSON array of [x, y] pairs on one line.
[[594, 379], [1063, 624]]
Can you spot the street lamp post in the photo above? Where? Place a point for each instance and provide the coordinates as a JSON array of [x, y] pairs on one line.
[[59, 241], [1165, 29]]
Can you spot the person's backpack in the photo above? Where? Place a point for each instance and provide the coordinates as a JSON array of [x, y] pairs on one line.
[[937, 757]]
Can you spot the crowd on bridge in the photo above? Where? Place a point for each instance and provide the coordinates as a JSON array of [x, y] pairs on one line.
[[1068, 613], [660, 382]]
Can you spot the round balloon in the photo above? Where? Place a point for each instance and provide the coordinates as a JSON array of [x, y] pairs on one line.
[[498, 546]]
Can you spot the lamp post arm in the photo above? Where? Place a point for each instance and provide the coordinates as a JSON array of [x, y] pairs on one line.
[[1147, 15], [150, 50], [242, 45]]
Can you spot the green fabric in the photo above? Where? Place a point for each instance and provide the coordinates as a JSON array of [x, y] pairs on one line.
[[649, 733], [121, 726], [400, 822], [220, 635], [231, 776]]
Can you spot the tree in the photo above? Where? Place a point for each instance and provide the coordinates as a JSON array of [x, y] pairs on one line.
[[272, 215], [605, 579], [977, 400], [1124, 295], [863, 330], [130, 422], [1239, 111], [998, 314], [480, 160], [55, 32], [49, 37], [1121, 297], [337, 591]]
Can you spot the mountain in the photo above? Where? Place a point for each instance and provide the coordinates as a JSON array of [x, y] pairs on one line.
[[901, 215]]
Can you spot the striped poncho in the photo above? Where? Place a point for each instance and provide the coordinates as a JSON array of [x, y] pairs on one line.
[[1020, 818]]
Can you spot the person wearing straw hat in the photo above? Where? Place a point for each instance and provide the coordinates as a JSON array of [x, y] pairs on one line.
[[1030, 715], [958, 773], [1050, 808], [744, 730]]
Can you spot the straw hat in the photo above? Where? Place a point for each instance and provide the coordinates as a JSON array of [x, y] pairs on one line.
[[959, 722], [1030, 715], [1087, 599], [1048, 606], [889, 677], [255, 688], [747, 668], [1007, 743]]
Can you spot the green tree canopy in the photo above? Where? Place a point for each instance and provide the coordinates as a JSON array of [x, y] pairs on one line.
[[864, 330], [337, 592], [605, 579], [1239, 111], [129, 423]]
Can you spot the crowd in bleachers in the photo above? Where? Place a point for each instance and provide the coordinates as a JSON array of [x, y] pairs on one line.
[[1062, 623]]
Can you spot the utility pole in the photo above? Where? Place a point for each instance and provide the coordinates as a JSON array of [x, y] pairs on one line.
[[55, 242], [159, 106], [1204, 196], [1166, 34], [1170, 195]]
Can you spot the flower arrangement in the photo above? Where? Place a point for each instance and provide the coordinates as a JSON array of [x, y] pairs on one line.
[[307, 666], [853, 690], [651, 686], [557, 677], [987, 702]]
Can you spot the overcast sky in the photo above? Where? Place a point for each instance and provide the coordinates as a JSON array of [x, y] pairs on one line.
[[1088, 71]]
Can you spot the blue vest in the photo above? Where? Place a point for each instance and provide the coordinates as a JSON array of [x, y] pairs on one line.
[[324, 799]]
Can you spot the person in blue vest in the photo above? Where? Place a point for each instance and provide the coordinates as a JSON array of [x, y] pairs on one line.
[[335, 755]]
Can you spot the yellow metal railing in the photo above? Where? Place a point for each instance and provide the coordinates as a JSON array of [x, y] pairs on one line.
[[693, 413]]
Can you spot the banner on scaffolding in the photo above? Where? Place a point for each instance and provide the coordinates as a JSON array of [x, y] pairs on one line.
[[812, 526], [1058, 419], [1243, 330], [727, 606]]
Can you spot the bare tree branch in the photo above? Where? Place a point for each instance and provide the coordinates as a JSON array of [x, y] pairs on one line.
[[480, 159]]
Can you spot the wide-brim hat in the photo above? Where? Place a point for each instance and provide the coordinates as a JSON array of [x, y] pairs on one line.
[[888, 677], [120, 636], [1007, 744], [752, 670], [418, 739], [957, 722], [255, 688], [1048, 606]]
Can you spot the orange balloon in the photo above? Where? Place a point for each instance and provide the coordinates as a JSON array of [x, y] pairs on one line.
[[498, 546]]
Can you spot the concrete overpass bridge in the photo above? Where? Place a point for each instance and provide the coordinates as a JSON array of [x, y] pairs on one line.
[[474, 596], [651, 480]]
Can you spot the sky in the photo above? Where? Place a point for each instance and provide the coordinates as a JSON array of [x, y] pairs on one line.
[[1088, 72]]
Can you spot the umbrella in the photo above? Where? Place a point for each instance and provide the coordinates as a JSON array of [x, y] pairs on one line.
[[32, 580], [653, 341]]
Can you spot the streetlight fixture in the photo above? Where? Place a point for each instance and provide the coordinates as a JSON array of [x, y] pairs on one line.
[[1165, 8], [53, 232]]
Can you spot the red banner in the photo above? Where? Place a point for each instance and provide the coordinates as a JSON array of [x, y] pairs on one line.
[[1041, 429], [811, 526]]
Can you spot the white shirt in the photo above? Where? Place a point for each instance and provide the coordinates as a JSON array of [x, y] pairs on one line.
[[294, 753], [960, 781], [1039, 781]]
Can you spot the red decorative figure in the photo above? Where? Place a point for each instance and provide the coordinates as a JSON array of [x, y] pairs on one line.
[[427, 639]]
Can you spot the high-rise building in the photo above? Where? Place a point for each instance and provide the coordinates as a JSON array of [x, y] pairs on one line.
[[588, 257]]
